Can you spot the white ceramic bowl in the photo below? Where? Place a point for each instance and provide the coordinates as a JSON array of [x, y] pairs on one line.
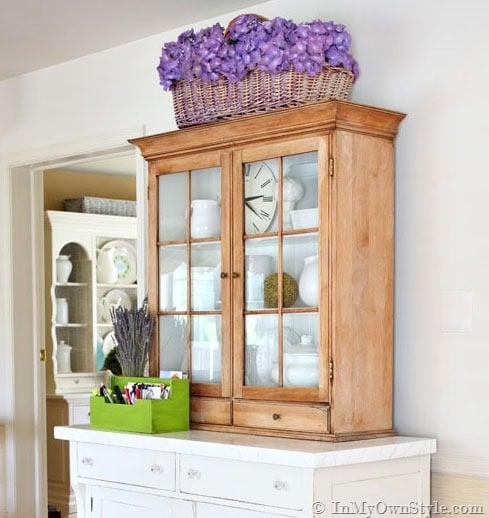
[[304, 218]]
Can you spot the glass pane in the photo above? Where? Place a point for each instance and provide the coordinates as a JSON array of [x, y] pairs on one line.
[[261, 349], [260, 265], [172, 199], [205, 221], [301, 358], [260, 192], [300, 191], [206, 349], [300, 261], [173, 278], [173, 343], [205, 276]]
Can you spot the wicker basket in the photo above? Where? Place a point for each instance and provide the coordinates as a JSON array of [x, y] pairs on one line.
[[108, 206], [197, 102]]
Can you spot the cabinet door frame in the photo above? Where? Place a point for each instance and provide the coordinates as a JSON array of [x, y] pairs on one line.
[[285, 147], [186, 164]]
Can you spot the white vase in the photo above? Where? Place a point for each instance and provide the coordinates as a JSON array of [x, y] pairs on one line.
[[61, 311], [293, 191], [309, 281], [205, 220], [63, 268], [257, 269], [63, 357]]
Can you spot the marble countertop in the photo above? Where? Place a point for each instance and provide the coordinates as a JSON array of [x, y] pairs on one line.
[[268, 450]]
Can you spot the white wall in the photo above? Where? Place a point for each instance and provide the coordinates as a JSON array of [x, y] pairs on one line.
[[427, 58]]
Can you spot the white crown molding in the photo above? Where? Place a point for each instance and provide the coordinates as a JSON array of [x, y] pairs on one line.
[[460, 465]]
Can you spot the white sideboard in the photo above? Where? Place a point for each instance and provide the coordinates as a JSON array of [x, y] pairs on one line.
[[198, 474]]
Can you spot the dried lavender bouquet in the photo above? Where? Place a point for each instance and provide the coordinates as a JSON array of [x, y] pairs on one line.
[[133, 330]]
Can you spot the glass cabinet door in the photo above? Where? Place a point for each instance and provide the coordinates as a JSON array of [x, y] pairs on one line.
[[190, 259], [283, 261]]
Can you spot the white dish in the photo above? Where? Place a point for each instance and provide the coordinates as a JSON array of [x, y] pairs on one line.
[[114, 298], [267, 352], [304, 218], [109, 343], [125, 260]]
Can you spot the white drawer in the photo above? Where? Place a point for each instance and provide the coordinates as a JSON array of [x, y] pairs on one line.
[[130, 466], [81, 414], [266, 484]]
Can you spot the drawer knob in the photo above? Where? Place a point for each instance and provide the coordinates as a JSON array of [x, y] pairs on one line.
[[193, 473], [156, 468], [224, 275], [280, 485], [87, 461], [276, 417]]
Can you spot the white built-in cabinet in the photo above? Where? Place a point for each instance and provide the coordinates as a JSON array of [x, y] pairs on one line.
[[198, 474], [86, 331]]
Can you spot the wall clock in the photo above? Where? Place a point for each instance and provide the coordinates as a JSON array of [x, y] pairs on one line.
[[260, 202]]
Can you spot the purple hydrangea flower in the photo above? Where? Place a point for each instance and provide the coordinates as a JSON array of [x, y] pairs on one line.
[[251, 42]]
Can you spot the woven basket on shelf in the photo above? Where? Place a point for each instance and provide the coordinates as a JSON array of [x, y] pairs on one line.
[[197, 102]]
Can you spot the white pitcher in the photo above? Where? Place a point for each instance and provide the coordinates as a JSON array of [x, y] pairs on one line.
[[106, 270], [205, 220]]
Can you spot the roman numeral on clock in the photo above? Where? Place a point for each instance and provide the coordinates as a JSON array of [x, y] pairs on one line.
[[264, 184], [268, 199], [264, 213]]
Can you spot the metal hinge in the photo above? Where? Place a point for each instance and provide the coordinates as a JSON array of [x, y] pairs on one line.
[[42, 355], [331, 166], [331, 370]]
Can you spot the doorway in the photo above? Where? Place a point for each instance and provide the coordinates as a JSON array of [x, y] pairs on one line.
[[24, 396]]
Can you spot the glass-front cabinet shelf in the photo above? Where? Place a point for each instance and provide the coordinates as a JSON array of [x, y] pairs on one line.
[[92, 259], [270, 269]]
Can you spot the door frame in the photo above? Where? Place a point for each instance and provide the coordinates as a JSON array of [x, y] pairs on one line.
[[23, 398]]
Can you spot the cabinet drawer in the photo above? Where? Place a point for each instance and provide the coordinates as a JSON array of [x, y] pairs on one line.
[[283, 416], [210, 411], [81, 414], [266, 484], [127, 465]]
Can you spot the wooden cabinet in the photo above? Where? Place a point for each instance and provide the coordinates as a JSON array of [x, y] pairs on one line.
[[271, 269]]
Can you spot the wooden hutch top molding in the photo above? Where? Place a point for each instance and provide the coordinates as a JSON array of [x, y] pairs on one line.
[[292, 122]]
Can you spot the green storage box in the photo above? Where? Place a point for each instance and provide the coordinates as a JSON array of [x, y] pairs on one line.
[[146, 415]]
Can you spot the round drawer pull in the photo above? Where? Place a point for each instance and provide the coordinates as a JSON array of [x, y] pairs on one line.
[[156, 468], [87, 461], [280, 485], [276, 417], [224, 275], [235, 275], [193, 473]]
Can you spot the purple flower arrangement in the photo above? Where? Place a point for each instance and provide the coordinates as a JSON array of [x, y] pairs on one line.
[[251, 42]]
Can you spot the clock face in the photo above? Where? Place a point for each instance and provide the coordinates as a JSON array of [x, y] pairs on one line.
[[260, 202]]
